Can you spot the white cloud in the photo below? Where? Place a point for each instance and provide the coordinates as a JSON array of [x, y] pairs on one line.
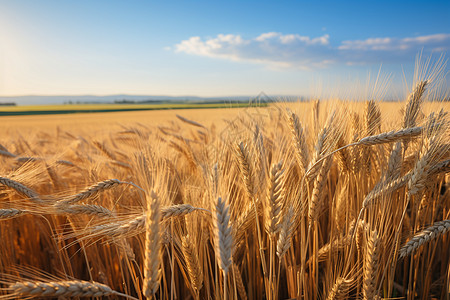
[[392, 44], [303, 52]]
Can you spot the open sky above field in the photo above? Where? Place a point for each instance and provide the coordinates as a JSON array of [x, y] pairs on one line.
[[211, 48]]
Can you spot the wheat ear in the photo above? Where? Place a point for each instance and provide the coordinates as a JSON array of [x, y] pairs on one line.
[[319, 183], [442, 167], [193, 266], [391, 136], [21, 189], [179, 210], [340, 289], [413, 104], [314, 166], [246, 168], [223, 239], [423, 237], [137, 224], [71, 288], [190, 122], [8, 213], [299, 141], [284, 239], [335, 246], [152, 272], [92, 190], [383, 189], [274, 199], [6, 153], [239, 283], [371, 264], [86, 209]]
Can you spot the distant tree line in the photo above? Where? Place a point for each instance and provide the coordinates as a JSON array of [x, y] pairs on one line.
[[8, 104]]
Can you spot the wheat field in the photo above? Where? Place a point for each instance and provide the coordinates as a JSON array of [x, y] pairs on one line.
[[314, 200]]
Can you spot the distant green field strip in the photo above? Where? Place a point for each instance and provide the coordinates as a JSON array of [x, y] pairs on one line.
[[70, 109]]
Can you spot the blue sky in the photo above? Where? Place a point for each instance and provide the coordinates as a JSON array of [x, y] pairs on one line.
[[212, 48]]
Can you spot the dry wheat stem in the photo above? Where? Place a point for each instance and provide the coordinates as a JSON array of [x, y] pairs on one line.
[[423, 237]]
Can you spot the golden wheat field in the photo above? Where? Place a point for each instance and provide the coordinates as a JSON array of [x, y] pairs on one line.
[[313, 200]]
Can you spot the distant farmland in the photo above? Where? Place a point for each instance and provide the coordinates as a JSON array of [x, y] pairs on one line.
[[94, 108]]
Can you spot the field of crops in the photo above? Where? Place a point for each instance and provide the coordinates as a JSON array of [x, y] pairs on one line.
[[97, 108], [315, 200]]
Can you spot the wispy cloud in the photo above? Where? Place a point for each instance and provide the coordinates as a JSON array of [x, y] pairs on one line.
[[303, 52], [271, 48]]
